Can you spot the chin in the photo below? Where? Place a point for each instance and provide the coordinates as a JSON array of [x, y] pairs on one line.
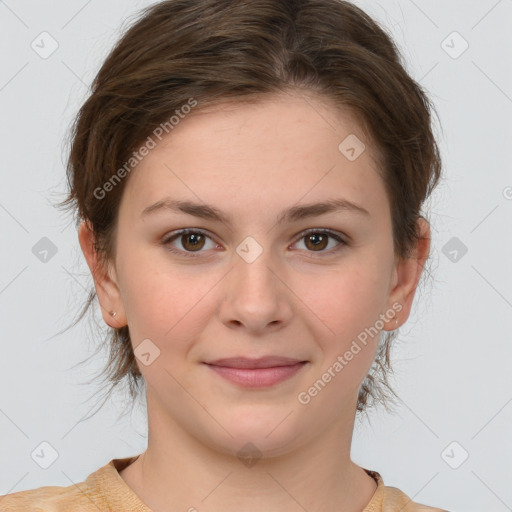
[[267, 434]]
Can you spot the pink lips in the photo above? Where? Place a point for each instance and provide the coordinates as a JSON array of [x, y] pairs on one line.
[[256, 373]]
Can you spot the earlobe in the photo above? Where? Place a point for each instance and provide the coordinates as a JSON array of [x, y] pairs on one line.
[[105, 279], [408, 272]]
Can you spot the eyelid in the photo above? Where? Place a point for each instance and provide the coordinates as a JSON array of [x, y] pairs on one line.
[[336, 235], [170, 237], [341, 237]]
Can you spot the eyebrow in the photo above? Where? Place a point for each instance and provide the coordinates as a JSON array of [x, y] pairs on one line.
[[293, 214]]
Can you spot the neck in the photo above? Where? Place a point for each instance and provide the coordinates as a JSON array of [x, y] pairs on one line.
[[179, 472]]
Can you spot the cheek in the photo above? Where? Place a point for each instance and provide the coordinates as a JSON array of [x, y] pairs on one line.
[[168, 307], [345, 300], [344, 307]]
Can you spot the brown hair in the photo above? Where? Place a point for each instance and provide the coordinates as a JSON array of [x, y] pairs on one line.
[[241, 50]]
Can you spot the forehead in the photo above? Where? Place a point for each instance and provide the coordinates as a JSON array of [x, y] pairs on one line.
[[284, 147]]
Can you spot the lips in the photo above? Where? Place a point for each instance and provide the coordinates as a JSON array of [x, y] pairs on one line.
[[262, 362], [264, 372]]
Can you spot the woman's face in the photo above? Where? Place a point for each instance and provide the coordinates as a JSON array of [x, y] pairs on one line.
[[254, 285]]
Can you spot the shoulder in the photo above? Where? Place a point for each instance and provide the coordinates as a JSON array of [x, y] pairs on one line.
[[97, 492], [90, 495], [47, 499], [391, 499], [394, 499]]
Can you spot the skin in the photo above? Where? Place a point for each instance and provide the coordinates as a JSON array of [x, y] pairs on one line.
[[253, 162]]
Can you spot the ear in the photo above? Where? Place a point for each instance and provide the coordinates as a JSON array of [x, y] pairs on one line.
[[105, 279], [407, 275]]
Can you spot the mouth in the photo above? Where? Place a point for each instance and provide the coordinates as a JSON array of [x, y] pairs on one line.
[[256, 373]]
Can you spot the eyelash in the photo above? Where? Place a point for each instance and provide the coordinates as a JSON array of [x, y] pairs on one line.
[[191, 254]]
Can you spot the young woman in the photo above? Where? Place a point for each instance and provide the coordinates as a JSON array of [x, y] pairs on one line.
[[249, 178]]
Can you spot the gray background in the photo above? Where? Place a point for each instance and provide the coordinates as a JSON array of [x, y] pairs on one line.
[[452, 361]]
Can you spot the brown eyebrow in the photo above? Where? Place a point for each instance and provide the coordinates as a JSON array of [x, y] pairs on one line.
[[293, 214]]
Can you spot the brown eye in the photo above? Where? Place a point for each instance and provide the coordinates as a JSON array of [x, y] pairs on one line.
[[193, 241], [316, 241]]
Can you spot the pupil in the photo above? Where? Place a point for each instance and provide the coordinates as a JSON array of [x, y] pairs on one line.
[[193, 240], [320, 240]]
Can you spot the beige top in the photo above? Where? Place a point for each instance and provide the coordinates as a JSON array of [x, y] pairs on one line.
[[105, 490]]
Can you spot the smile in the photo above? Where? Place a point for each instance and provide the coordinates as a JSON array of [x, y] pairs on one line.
[[259, 373]]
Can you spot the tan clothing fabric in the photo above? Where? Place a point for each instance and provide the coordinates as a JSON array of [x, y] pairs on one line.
[[105, 491]]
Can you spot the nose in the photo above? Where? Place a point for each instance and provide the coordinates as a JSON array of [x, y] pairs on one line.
[[256, 295]]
